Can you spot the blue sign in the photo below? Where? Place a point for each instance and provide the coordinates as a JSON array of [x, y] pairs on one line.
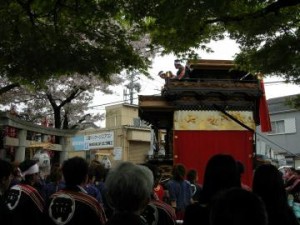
[[93, 141], [78, 143]]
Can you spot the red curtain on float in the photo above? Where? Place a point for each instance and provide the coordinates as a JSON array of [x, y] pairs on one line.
[[195, 148], [264, 116]]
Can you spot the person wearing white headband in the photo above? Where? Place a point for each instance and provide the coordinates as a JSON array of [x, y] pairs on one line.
[[34, 169], [182, 71], [24, 202]]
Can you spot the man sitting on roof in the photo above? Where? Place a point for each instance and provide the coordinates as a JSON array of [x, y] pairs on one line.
[[182, 71]]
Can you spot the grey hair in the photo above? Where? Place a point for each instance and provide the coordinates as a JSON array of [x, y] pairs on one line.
[[129, 187]]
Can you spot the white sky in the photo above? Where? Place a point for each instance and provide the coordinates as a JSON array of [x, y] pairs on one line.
[[225, 50]]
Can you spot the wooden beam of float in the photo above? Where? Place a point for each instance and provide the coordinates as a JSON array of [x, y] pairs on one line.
[[153, 102], [156, 111], [211, 64]]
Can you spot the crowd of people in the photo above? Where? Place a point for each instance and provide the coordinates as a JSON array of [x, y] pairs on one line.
[[78, 192]]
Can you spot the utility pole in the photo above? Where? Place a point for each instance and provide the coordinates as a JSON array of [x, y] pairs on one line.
[[132, 86], [125, 94]]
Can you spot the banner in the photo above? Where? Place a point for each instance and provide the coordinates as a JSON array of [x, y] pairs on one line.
[[212, 120]]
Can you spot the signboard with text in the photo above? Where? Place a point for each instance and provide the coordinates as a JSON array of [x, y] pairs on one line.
[[93, 141]]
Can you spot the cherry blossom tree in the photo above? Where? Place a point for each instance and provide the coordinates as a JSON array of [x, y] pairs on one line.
[[63, 102]]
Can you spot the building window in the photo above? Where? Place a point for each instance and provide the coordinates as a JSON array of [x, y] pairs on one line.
[[278, 127], [285, 126]]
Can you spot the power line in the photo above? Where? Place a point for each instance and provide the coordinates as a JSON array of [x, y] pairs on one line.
[[104, 104], [272, 142], [152, 84], [116, 102]]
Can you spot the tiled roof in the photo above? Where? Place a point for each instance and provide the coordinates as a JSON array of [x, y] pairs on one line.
[[280, 104]]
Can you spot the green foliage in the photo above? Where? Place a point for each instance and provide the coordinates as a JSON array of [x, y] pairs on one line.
[[293, 102], [267, 31], [40, 39], [279, 56]]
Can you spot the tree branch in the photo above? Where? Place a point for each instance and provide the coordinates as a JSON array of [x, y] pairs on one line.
[[27, 9], [8, 88], [272, 8]]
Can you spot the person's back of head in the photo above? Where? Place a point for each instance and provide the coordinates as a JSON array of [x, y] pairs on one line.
[[75, 171], [6, 170], [178, 172], [91, 174], [99, 172], [55, 175], [124, 218], [220, 174], [155, 172], [240, 167], [236, 206], [129, 187], [192, 176], [269, 185]]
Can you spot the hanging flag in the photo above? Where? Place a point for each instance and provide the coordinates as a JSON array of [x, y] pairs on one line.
[[264, 116]]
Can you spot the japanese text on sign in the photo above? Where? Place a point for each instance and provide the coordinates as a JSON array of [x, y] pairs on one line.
[[101, 140]]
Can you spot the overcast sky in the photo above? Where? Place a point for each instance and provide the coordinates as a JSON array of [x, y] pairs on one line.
[[225, 50]]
